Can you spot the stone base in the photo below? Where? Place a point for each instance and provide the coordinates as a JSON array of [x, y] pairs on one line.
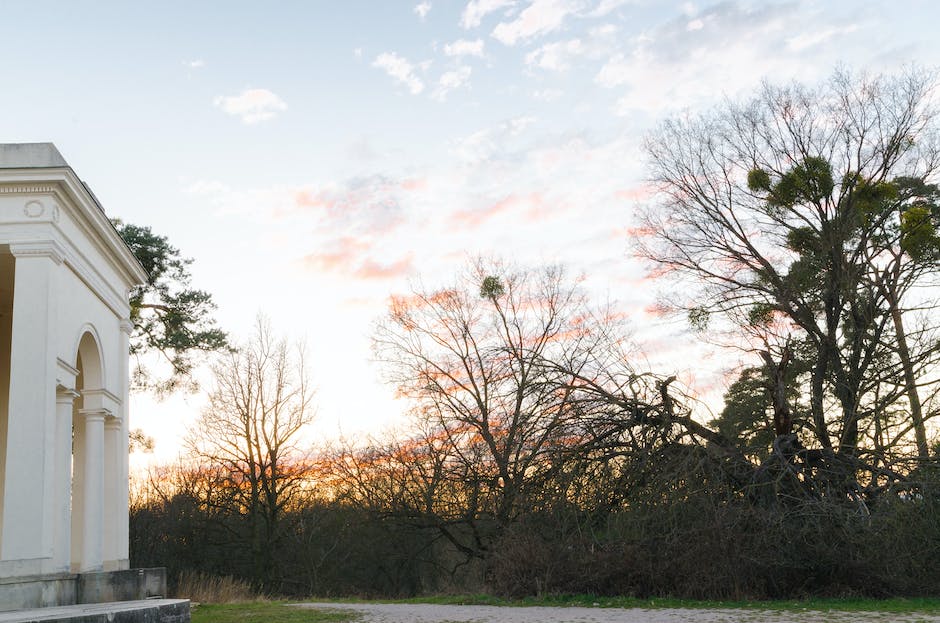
[[146, 611], [125, 585], [85, 588]]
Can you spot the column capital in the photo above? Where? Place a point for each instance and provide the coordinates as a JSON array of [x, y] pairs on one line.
[[65, 394], [40, 248], [127, 327], [112, 422], [94, 415]]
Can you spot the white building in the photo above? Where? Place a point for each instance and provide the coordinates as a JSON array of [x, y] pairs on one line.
[[65, 275]]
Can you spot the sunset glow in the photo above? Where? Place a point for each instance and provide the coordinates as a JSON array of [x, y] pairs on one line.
[[314, 160]]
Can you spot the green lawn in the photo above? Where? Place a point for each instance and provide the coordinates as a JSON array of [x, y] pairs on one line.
[[281, 612], [265, 612]]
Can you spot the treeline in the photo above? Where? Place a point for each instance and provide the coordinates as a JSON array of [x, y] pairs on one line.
[[664, 518], [799, 227]]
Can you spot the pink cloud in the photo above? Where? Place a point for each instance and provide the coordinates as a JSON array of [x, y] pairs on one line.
[[340, 255], [350, 256], [637, 232], [657, 310], [476, 217], [414, 184], [473, 217], [539, 209], [309, 199], [370, 269], [361, 205], [643, 192]]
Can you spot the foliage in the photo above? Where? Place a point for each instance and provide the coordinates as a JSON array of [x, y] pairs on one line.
[[808, 216], [170, 317]]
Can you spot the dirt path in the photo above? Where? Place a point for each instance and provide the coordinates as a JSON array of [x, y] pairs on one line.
[[430, 613]]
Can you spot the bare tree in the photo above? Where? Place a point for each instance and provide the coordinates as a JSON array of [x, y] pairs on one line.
[[807, 216], [473, 359], [252, 429]]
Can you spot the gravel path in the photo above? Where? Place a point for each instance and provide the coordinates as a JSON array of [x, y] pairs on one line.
[[431, 613]]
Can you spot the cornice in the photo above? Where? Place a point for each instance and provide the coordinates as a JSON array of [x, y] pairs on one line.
[[102, 393], [71, 193], [40, 248], [27, 189]]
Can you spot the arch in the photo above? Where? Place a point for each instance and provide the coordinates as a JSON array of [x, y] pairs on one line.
[[87, 453], [89, 360]]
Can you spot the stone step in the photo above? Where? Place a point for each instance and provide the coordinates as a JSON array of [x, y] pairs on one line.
[[143, 611]]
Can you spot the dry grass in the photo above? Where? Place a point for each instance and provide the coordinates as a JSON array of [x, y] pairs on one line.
[[213, 589]]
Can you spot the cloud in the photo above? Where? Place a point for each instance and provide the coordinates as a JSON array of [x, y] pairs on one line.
[[474, 217], [476, 10], [555, 56], [350, 256], [338, 255], [547, 95], [606, 6], [809, 39], [616, 71], [598, 44], [370, 269], [531, 207], [725, 48], [399, 68], [539, 18], [451, 80], [369, 204], [251, 105], [487, 143], [422, 9], [640, 192], [206, 187], [195, 63], [464, 47]]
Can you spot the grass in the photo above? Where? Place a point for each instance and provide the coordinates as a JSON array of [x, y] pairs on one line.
[[265, 612], [284, 612], [214, 589], [899, 605]]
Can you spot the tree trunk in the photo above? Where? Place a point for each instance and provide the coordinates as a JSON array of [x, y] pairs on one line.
[[776, 375], [910, 382]]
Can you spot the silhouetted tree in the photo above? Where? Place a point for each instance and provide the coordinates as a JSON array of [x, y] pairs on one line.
[[251, 429]]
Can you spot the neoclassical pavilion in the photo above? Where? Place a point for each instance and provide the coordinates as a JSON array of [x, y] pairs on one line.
[[65, 275]]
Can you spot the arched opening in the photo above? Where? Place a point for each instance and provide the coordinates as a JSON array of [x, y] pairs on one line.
[[87, 457]]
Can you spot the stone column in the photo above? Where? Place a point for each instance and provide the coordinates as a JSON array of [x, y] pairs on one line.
[[28, 478], [62, 552], [123, 536], [113, 467], [93, 494]]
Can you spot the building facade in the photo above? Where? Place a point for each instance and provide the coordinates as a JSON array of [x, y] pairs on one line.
[[65, 276]]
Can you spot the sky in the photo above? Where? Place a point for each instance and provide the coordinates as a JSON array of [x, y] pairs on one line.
[[314, 158]]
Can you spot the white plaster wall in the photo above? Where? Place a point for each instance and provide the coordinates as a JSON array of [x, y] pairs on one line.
[[87, 294]]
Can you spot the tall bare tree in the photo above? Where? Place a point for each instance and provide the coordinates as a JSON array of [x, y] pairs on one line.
[[807, 216], [474, 359], [252, 428]]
